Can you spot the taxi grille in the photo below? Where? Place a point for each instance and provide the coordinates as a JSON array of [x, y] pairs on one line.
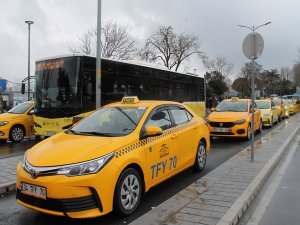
[[221, 133], [60, 205], [224, 124]]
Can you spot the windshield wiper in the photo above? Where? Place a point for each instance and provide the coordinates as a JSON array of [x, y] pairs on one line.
[[94, 133], [131, 120], [72, 131]]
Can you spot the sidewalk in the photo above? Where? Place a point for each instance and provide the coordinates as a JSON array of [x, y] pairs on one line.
[[8, 173], [222, 196]]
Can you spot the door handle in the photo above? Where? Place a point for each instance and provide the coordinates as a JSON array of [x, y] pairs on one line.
[[174, 136]]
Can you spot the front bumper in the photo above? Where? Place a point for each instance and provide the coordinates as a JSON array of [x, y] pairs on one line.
[[266, 120], [4, 131], [236, 130], [76, 197]]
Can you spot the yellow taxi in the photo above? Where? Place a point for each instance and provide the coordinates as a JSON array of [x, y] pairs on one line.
[[268, 111], [109, 159], [232, 118], [17, 122], [290, 106], [280, 108]]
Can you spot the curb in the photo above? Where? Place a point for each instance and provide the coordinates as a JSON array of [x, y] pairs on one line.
[[7, 187], [241, 204]]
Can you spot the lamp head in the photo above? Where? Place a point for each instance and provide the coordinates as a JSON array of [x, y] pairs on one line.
[[29, 22]]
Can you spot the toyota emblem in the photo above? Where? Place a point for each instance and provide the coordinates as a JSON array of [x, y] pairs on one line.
[[33, 173]]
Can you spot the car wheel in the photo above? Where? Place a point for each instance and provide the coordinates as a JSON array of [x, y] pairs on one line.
[[260, 127], [200, 160], [128, 192], [248, 133], [277, 121], [16, 134]]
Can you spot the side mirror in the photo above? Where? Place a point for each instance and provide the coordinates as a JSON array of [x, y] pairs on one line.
[[213, 109], [31, 112], [153, 131], [23, 88]]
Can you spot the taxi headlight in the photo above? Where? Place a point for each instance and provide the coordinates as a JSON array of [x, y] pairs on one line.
[[23, 162], [3, 123], [84, 168], [239, 122]]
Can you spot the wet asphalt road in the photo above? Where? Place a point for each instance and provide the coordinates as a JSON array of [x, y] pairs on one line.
[[12, 213]]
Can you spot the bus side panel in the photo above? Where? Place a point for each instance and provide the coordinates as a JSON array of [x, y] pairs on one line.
[[197, 107]]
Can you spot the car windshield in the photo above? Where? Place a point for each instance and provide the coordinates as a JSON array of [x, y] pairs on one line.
[[110, 122], [241, 106], [276, 102], [290, 102], [20, 109], [263, 105]]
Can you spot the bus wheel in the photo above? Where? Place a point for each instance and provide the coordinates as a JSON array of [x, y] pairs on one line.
[[128, 192], [16, 134]]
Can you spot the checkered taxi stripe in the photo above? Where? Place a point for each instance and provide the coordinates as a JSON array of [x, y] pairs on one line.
[[135, 145]]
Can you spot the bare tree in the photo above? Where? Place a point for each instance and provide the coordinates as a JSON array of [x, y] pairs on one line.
[[286, 73], [116, 42], [85, 44], [296, 71], [219, 64], [170, 48]]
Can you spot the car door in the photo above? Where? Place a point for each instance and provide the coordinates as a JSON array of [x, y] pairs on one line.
[[161, 151], [28, 121], [185, 136]]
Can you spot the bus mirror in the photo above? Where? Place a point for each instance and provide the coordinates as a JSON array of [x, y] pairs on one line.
[[89, 88], [23, 88]]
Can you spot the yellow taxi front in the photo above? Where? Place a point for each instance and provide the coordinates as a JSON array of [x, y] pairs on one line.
[[280, 108], [232, 118], [109, 159], [290, 106], [268, 111], [17, 122]]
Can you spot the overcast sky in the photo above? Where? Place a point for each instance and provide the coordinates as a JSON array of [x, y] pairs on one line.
[[58, 23]]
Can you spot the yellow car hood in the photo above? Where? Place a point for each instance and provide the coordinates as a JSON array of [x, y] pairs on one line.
[[9, 116], [227, 116], [64, 149]]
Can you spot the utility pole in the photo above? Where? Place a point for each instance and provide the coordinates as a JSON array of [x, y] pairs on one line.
[[98, 60], [28, 75]]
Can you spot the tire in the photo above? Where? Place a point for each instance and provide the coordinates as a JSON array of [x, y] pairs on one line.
[[127, 197], [16, 134], [200, 160], [249, 133], [277, 121], [260, 127], [271, 122]]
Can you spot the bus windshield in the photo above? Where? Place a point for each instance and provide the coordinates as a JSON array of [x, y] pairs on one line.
[[56, 82]]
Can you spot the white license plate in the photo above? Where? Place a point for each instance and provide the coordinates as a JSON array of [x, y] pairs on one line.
[[50, 133], [221, 129], [33, 190]]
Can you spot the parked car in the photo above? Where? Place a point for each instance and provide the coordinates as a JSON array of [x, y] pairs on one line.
[[268, 111], [291, 106], [17, 122], [108, 159], [233, 118], [280, 108]]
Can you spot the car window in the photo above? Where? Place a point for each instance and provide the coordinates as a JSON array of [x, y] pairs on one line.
[[110, 121], [180, 116], [160, 119], [227, 106], [20, 109]]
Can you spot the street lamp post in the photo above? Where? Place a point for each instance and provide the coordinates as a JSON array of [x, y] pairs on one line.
[[29, 23], [253, 57]]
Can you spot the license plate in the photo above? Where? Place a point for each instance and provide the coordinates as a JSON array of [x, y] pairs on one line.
[[50, 133], [34, 190], [221, 129]]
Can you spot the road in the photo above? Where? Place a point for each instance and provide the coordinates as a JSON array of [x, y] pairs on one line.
[[222, 149]]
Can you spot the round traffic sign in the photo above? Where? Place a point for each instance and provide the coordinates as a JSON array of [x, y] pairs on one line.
[[253, 45]]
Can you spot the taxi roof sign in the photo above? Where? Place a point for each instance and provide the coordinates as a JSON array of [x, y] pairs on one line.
[[130, 100], [234, 99]]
